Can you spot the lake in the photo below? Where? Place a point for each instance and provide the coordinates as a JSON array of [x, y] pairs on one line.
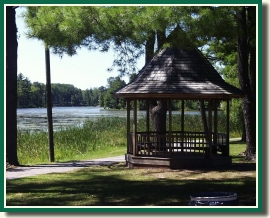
[[35, 119]]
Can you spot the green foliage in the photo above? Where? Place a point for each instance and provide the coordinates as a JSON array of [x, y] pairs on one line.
[[32, 95], [24, 91], [91, 96], [191, 105], [125, 29], [236, 117], [64, 29], [114, 83], [29, 94], [66, 94], [230, 75]]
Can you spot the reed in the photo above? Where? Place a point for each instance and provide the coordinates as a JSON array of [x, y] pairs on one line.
[[103, 136], [74, 142]]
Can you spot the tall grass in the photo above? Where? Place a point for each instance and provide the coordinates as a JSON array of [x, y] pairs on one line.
[[105, 134], [74, 142]]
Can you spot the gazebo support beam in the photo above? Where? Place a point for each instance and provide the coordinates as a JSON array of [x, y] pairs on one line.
[[134, 127], [227, 152], [210, 104], [215, 125], [147, 119], [215, 121], [182, 123], [128, 124], [170, 127]]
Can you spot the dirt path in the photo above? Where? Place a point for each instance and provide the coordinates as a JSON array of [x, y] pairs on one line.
[[24, 171]]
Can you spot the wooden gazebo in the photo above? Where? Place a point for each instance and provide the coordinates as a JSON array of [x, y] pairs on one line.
[[178, 74]]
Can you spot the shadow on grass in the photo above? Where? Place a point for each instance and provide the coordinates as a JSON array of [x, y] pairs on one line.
[[108, 186]]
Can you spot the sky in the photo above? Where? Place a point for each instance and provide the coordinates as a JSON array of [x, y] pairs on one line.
[[85, 70]]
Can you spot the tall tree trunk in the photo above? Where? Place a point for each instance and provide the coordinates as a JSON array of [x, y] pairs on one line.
[[157, 108], [161, 38], [158, 114], [252, 66], [149, 48], [11, 86], [243, 138], [243, 73]]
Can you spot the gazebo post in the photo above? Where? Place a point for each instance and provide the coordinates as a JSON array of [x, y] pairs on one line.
[[182, 123], [210, 104], [215, 125], [227, 151], [215, 121], [134, 140], [128, 124], [170, 127], [147, 119]]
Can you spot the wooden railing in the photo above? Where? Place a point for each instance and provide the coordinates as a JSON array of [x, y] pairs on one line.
[[173, 144], [220, 145], [221, 139]]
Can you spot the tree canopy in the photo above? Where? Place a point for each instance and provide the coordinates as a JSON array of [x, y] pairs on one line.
[[125, 29], [222, 32], [32, 95]]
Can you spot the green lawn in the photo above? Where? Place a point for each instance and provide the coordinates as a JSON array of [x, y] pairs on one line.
[[118, 185]]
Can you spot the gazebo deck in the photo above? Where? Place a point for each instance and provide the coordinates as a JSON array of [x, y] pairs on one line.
[[178, 161], [177, 149]]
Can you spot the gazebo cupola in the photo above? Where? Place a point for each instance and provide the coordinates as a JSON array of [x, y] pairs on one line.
[[178, 73]]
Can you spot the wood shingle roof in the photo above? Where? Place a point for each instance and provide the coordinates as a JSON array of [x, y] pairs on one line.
[[179, 73]]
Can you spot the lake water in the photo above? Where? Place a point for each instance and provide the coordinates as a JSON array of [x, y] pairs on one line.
[[35, 119]]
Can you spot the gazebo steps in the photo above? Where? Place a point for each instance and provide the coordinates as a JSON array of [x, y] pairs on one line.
[[177, 162]]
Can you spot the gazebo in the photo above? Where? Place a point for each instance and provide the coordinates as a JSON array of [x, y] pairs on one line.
[[178, 73]]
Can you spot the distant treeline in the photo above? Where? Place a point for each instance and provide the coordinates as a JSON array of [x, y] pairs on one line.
[[33, 95]]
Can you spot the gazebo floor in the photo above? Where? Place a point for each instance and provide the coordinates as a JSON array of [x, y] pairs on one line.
[[177, 162]]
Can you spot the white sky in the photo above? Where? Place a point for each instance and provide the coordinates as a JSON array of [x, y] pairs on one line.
[[87, 69]]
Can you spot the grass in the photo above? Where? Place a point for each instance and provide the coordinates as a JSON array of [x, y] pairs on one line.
[[118, 185], [96, 138]]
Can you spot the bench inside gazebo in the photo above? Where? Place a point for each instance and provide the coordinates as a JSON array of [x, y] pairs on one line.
[[178, 74]]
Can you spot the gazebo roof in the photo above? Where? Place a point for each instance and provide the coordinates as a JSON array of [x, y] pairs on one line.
[[179, 73]]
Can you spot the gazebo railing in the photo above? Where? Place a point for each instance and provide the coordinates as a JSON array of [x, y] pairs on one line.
[[175, 143]]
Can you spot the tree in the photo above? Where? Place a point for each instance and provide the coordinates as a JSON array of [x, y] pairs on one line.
[[102, 92], [23, 91], [38, 94], [114, 83], [131, 29], [237, 35], [11, 86], [246, 48], [86, 97], [33, 94]]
